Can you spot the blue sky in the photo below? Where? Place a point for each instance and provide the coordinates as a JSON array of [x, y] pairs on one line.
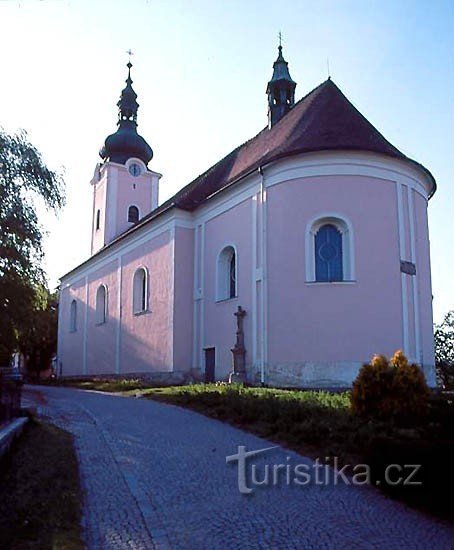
[[200, 70]]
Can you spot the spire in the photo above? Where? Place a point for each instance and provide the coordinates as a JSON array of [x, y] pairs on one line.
[[126, 143], [127, 104], [280, 89]]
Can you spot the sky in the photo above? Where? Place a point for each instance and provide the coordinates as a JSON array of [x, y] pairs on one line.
[[200, 71]]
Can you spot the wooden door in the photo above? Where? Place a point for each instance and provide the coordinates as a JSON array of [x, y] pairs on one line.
[[210, 365]]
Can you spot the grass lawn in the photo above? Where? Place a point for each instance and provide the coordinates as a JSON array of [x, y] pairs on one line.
[[40, 500], [98, 383]]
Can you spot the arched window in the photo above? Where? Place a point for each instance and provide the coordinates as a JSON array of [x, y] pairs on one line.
[[98, 219], [328, 254], [133, 214], [227, 271], [329, 250], [101, 305], [73, 316], [140, 291]]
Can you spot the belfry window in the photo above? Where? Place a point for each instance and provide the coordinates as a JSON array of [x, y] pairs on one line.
[[133, 214], [227, 271], [101, 305], [140, 291], [328, 254], [73, 316], [98, 219]]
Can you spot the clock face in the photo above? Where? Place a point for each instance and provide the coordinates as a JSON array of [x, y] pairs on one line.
[[135, 169]]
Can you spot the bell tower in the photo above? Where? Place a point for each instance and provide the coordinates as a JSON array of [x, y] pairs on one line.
[[124, 188], [280, 90]]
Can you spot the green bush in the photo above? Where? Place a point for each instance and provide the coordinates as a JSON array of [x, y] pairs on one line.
[[390, 390]]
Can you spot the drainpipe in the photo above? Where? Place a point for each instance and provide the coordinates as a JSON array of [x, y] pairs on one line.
[[263, 339]]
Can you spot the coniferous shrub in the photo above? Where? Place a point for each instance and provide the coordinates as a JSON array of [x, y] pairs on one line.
[[410, 393], [390, 389]]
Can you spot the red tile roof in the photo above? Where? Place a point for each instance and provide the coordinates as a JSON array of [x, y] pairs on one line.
[[322, 120]]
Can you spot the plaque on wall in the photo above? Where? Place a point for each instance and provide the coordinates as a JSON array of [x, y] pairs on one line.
[[408, 267]]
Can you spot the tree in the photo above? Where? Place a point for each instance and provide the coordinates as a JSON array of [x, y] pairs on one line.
[[37, 339], [24, 179], [444, 350]]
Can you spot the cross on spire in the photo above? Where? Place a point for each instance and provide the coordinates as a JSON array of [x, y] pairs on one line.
[[130, 53], [280, 39]]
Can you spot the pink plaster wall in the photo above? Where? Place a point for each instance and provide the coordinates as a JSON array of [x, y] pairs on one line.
[[307, 322], [99, 202], [135, 191], [70, 345], [146, 339], [184, 298], [231, 227], [113, 194], [146, 343], [333, 322], [101, 338]]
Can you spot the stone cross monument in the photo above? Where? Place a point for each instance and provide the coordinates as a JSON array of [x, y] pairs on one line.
[[238, 375]]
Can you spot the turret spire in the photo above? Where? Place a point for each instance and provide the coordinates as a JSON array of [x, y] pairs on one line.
[[127, 104], [280, 89]]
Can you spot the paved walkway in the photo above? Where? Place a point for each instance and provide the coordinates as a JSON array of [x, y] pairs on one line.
[[155, 476]]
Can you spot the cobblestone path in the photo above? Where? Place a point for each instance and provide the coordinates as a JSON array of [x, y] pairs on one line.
[[155, 476]]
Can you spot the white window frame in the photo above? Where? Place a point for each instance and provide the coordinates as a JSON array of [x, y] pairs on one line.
[[135, 309], [345, 228], [73, 316], [223, 274], [101, 316]]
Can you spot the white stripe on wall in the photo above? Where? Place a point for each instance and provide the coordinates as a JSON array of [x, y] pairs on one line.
[[402, 254], [119, 312], [202, 294], [264, 353], [85, 343], [254, 280], [417, 321], [195, 333]]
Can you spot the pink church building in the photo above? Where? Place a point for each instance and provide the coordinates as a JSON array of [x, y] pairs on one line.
[[316, 227]]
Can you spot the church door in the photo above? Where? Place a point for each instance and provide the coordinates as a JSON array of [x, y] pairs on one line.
[[210, 360]]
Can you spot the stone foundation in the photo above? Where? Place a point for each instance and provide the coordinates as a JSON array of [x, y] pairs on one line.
[[339, 374], [335, 375], [168, 378]]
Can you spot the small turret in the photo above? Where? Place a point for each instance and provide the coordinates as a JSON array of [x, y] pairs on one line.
[[280, 90]]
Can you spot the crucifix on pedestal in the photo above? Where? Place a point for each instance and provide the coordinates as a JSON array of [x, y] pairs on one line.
[[238, 375]]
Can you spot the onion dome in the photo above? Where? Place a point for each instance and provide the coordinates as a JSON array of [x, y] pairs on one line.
[[126, 142]]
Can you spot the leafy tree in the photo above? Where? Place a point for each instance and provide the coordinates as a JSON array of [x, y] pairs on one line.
[[37, 339], [24, 178], [444, 340], [444, 350]]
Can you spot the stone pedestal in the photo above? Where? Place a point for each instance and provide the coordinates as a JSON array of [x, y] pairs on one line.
[[238, 375]]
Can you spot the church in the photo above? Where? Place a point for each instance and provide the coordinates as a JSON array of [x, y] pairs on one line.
[[315, 229]]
